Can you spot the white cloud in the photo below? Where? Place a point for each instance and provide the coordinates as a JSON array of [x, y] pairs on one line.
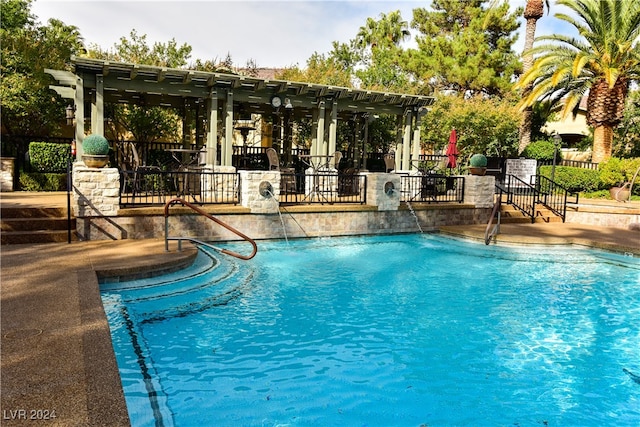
[[273, 33]]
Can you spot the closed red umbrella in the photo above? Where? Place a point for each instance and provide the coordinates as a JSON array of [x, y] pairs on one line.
[[452, 149]]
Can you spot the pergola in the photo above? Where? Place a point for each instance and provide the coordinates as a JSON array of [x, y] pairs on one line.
[[217, 99]]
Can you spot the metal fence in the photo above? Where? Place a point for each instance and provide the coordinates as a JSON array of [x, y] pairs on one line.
[[330, 188], [572, 163], [149, 187], [432, 188]]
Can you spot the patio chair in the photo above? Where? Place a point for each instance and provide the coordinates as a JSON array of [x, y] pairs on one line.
[[348, 182], [389, 163], [337, 156], [287, 175], [136, 175], [274, 160]]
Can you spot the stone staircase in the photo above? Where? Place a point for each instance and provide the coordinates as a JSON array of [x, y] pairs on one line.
[[35, 225], [510, 215]]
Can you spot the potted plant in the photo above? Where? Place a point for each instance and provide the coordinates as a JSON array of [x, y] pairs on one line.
[[478, 164], [95, 151]]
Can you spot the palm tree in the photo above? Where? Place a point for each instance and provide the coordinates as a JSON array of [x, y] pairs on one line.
[[389, 31], [603, 62], [533, 11]]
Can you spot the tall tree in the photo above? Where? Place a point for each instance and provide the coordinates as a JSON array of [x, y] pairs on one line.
[[28, 106], [533, 11], [332, 69], [144, 123], [603, 62], [461, 49], [379, 47], [389, 31]]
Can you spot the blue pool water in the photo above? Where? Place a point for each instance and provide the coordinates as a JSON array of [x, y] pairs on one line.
[[408, 330]]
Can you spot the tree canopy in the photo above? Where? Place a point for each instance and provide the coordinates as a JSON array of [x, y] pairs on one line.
[[144, 123], [464, 48], [29, 107], [601, 64]]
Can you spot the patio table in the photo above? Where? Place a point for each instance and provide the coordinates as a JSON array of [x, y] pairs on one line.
[[316, 162]]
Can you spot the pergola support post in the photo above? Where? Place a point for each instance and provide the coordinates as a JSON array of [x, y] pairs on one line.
[[212, 131], [333, 128], [415, 144], [97, 107], [227, 146], [406, 140], [320, 128], [78, 101]]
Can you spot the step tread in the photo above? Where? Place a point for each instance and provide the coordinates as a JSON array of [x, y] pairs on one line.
[[40, 212], [38, 236], [29, 224]]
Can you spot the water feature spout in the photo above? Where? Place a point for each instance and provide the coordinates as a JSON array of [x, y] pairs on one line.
[[268, 192], [414, 215]]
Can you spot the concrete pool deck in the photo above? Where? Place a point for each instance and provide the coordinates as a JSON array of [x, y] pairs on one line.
[[56, 353]]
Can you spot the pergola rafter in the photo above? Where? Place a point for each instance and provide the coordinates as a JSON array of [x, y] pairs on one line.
[[98, 81]]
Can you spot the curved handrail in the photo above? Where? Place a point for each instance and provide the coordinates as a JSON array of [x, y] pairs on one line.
[[488, 233], [217, 221]]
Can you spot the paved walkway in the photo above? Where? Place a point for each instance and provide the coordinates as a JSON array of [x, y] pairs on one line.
[[56, 348], [612, 239]]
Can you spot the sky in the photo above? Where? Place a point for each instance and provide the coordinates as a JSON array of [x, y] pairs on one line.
[[275, 34]]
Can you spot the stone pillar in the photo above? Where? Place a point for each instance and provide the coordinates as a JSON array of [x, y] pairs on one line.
[[212, 187], [96, 192], [259, 191], [7, 166], [479, 190], [383, 190]]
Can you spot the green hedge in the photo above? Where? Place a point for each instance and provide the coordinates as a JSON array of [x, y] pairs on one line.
[[43, 181], [617, 171], [574, 179], [542, 150], [49, 157]]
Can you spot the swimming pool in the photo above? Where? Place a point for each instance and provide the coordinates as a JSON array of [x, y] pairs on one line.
[[403, 330]]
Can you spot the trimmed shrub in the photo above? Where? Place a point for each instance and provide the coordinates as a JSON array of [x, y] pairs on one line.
[[95, 145], [574, 179], [43, 181], [615, 171], [478, 161], [541, 150], [49, 157]]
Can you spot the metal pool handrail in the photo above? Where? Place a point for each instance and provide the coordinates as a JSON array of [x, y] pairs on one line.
[[490, 232], [212, 218]]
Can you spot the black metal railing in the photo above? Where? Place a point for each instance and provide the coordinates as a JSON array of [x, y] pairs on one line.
[[571, 163], [554, 196], [149, 187], [522, 195], [323, 188], [432, 188]]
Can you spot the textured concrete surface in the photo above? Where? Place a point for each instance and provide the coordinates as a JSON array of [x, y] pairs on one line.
[[612, 239], [56, 354]]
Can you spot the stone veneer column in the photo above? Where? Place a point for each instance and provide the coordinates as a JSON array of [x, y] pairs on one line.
[[250, 187], [383, 190], [479, 190], [96, 191], [7, 165]]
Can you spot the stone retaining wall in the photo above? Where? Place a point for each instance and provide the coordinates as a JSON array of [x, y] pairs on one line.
[[615, 219], [280, 225], [98, 217]]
